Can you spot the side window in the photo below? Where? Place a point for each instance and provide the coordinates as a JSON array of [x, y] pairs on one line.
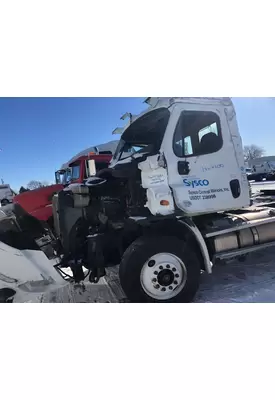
[[188, 149], [197, 133], [75, 172]]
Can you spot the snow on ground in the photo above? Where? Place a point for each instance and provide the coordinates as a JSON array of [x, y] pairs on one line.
[[251, 281], [71, 293], [248, 282], [257, 186]]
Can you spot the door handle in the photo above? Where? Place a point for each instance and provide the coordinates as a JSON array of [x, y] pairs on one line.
[[235, 188], [183, 168]]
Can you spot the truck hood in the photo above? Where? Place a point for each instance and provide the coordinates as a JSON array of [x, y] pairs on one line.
[[38, 198]]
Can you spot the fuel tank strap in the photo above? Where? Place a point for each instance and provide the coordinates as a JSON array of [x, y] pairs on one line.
[[254, 231], [255, 235]]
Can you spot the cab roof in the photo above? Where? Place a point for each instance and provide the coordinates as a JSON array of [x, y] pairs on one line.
[[166, 102]]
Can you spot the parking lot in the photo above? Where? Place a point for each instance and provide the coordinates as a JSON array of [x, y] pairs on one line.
[[249, 281]]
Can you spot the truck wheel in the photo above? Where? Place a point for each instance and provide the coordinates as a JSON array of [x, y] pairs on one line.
[[6, 295], [160, 269], [4, 202]]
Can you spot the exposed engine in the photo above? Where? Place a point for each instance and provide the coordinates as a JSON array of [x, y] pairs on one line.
[[90, 219]]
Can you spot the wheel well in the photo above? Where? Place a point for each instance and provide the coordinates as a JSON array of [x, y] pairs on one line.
[[167, 228]]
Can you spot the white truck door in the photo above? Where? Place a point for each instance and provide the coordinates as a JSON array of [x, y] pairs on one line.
[[203, 150]]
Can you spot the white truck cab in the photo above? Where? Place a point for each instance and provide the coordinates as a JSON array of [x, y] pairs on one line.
[[6, 194], [175, 201], [200, 165]]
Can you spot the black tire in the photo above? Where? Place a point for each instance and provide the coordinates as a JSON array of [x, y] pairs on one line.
[[145, 247], [4, 202], [270, 178], [6, 295]]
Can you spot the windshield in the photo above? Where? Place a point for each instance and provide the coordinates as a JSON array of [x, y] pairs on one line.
[[62, 177], [75, 172], [271, 164], [127, 150], [144, 135]]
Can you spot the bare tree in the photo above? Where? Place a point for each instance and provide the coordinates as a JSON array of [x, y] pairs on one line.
[[45, 183], [23, 189], [253, 151], [34, 185]]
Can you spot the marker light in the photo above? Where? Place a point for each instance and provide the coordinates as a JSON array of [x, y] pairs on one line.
[[164, 203]]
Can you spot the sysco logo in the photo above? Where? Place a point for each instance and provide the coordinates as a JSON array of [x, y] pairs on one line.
[[195, 183]]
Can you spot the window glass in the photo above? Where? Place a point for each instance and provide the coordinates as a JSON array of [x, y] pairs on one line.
[[75, 172], [197, 133], [212, 128], [188, 149], [101, 165], [144, 135]]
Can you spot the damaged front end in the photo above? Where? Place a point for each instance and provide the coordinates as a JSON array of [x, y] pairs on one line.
[[27, 255], [93, 222]]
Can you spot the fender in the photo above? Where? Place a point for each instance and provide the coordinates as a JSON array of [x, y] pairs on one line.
[[201, 242]]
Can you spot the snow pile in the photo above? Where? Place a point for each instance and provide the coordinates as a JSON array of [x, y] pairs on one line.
[[248, 282]]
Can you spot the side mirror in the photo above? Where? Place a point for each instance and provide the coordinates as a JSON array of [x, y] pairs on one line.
[[91, 168]]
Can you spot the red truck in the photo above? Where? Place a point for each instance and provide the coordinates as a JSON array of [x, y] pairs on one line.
[[38, 202]]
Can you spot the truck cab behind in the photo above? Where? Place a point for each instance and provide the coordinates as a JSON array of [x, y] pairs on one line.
[[38, 202]]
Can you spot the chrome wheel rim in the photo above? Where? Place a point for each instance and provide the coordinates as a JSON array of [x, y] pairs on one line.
[[163, 276]]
